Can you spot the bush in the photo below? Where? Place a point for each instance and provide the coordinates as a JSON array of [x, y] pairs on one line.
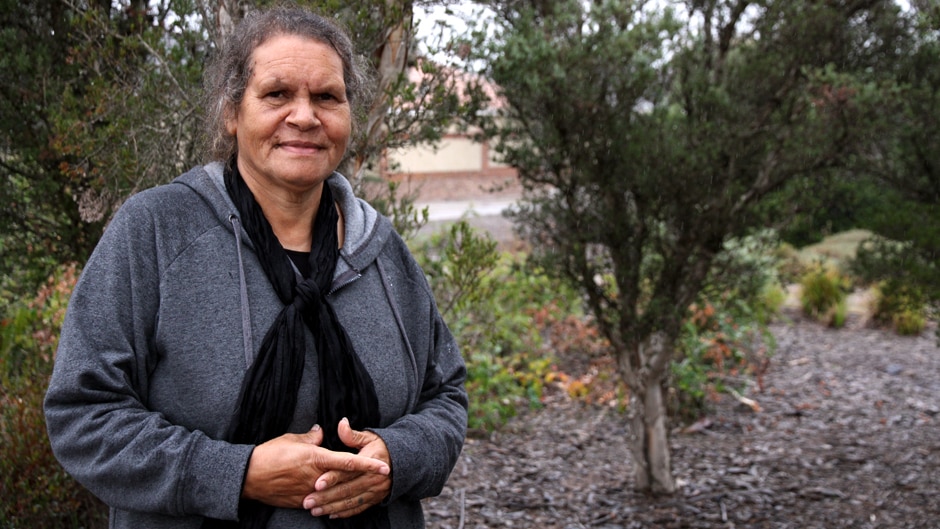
[[725, 337], [901, 307], [752, 271], [909, 322], [34, 490], [490, 302], [770, 302], [790, 266], [723, 345], [823, 295]]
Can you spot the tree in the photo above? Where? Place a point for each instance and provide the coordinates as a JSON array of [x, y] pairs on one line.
[[645, 138], [902, 161], [99, 105], [37, 218]]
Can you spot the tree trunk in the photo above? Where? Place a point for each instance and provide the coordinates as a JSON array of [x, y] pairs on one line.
[[644, 371], [649, 442], [390, 59], [227, 15]]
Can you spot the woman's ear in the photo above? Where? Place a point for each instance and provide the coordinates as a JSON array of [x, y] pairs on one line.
[[231, 120]]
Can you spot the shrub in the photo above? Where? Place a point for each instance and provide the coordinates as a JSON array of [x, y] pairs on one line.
[[790, 266], [749, 270], [838, 314], [901, 307], [386, 197], [769, 303], [823, 295], [722, 346], [725, 339], [490, 302], [909, 322], [34, 490]]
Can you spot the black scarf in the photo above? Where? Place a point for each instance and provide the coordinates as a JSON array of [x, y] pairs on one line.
[[268, 395]]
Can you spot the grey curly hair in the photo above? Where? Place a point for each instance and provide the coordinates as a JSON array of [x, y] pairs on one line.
[[229, 71]]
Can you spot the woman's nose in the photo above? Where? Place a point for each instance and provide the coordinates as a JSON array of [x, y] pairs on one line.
[[303, 115]]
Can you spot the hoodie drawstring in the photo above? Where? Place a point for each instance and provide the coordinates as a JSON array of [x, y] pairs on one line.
[[243, 291]]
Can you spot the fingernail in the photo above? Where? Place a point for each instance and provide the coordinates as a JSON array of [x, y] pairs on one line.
[[345, 420], [309, 504], [316, 428]]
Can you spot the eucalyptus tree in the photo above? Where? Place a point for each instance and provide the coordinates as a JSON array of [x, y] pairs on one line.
[[646, 136]]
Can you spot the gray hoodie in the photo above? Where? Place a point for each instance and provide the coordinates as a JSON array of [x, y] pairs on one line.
[[166, 318]]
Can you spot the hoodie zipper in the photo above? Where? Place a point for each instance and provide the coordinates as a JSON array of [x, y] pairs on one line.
[[344, 279]]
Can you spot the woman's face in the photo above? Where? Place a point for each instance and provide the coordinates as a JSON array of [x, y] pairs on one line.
[[293, 124]]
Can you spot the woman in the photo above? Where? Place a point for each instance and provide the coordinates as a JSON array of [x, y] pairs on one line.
[[251, 342]]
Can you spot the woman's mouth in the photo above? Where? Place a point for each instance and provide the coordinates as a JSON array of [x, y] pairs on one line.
[[301, 147]]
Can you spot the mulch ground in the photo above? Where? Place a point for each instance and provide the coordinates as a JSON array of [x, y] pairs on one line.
[[848, 436]]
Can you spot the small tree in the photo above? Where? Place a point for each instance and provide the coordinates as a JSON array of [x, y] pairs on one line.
[[644, 139]]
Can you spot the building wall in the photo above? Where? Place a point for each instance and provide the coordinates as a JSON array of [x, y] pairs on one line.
[[457, 168]]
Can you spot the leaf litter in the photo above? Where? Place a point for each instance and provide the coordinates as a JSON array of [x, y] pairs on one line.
[[845, 434]]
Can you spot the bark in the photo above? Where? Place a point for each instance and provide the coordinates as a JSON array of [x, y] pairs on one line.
[[644, 370], [391, 60], [227, 15]]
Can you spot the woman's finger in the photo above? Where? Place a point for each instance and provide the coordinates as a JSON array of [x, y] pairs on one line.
[[354, 495], [330, 462]]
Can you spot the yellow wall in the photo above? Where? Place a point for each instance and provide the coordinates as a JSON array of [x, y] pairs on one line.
[[452, 154]]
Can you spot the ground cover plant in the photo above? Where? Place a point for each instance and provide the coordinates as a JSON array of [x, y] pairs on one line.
[[34, 490]]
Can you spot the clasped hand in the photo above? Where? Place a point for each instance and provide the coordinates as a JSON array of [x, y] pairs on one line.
[[293, 470]]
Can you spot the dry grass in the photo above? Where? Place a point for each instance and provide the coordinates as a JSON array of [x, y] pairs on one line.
[[836, 249]]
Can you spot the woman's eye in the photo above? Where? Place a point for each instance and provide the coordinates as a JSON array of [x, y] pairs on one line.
[[276, 94]]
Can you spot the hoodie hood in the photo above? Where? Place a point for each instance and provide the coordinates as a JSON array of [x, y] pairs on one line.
[[366, 231]]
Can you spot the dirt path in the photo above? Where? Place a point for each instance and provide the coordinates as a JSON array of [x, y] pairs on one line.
[[848, 437]]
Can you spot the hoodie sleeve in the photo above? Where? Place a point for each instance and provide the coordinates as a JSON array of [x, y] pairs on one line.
[[424, 445], [98, 422]]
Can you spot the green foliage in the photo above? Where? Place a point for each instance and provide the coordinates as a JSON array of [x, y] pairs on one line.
[[839, 314], [770, 302], [823, 295], [721, 346], [905, 274], [104, 105], [790, 266], [401, 210], [34, 490], [909, 322], [40, 224], [643, 143], [490, 302], [823, 206], [725, 337], [900, 306], [902, 161], [748, 271]]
